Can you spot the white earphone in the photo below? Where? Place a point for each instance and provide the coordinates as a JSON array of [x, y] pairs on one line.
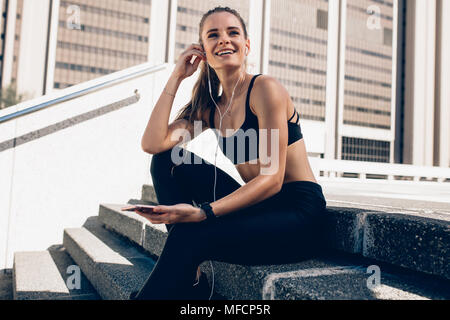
[[215, 156]]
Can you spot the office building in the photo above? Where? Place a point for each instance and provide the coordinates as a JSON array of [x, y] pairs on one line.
[[368, 77]]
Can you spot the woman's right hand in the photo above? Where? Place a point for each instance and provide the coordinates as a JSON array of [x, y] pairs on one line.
[[184, 68]]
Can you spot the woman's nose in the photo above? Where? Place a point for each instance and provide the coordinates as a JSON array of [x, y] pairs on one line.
[[224, 40]]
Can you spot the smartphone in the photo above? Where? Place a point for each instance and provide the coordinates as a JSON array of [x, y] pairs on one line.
[[139, 207]]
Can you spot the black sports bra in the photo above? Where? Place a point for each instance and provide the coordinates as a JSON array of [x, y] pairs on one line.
[[237, 147]]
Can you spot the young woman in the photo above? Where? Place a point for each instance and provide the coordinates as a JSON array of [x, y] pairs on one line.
[[275, 217]]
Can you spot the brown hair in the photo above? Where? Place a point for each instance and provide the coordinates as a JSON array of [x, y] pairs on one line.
[[200, 93]]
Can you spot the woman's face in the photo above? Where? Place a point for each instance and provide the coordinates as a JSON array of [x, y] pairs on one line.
[[221, 31]]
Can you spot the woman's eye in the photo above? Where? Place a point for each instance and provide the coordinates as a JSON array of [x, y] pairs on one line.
[[215, 34]]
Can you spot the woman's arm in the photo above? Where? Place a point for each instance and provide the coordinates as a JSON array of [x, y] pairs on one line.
[[270, 101], [158, 135]]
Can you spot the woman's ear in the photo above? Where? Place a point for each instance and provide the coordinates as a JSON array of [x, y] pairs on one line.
[[247, 46]]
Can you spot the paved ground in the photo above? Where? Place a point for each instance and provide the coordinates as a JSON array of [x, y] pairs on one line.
[[428, 198]]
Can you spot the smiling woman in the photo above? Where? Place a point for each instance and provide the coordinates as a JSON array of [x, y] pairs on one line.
[[277, 211]]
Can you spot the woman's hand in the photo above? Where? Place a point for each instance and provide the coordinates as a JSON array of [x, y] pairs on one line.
[[178, 213], [184, 68]]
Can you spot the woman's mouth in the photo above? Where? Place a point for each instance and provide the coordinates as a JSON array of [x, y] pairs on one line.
[[225, 53]]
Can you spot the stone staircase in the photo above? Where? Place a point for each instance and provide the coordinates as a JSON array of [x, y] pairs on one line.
[[42, 275], [117, 250]]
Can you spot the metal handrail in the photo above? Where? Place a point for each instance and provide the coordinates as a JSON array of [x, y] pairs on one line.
[[80, 93]]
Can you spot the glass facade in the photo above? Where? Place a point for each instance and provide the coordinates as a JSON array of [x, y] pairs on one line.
[[368, 64], [358, 149], [96, 38], [369, 58], [2, 38], [18, 28], [298, 53]]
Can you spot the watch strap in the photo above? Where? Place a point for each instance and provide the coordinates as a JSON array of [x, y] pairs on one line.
[[206, 207]]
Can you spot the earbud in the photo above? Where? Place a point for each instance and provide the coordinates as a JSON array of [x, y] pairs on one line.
[[204, 52], [246, 51]]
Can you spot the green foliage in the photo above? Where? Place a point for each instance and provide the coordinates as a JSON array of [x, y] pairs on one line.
[[9, 96]]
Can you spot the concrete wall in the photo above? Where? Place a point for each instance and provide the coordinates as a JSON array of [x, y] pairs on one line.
[[33, 47], [420, 81], [60, 175], [442, 116], [8, 55]]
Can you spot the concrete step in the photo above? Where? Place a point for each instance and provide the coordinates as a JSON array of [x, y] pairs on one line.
[[331, 278], [334, 277], [113, 265], [49, 275], [148, 193], [133, 227], [413, 240], [6, 287]]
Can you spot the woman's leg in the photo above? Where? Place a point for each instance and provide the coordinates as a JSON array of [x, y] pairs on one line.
[[247, 238], [182, 183], [266, 233]]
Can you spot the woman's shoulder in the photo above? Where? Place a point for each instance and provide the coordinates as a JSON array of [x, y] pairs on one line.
[[267, 88], [264, 80], [268, 85]]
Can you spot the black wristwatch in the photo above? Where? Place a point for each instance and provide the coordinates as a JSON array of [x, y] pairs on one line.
[[206, 207]]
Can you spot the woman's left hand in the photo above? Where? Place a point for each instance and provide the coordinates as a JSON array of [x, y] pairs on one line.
[[177, 213]]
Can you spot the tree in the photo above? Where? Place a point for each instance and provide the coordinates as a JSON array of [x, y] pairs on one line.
[[9, 96]]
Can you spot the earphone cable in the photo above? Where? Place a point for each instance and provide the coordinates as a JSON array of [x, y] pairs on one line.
[[217, 146]]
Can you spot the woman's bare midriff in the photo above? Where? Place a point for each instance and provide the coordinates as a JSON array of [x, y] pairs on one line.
[[297, 165]]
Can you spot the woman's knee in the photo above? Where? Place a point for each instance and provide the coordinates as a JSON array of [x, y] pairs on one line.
[[162, 165], [161, 161], [189, 236], [167, 160]]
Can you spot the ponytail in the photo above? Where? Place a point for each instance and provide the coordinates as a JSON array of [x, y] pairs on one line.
[[201, 100]]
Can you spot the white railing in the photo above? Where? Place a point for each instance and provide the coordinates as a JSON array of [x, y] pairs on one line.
[[81, 90], [329, 168]]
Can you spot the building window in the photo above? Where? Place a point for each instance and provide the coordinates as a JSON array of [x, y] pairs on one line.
[[368, 68], [358, 149], [298, 53], [322, 19], [387, 37]]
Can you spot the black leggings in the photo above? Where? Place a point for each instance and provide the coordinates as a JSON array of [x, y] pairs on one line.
[[284, 228]]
